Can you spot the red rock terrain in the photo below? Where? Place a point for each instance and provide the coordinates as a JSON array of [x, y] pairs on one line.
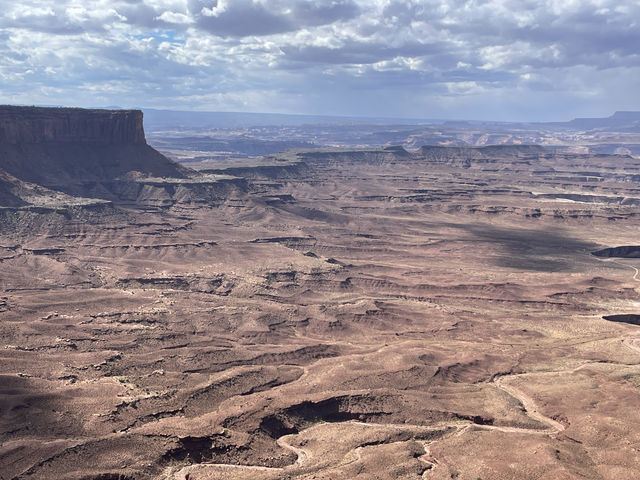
[[28, 125], [324, 314]]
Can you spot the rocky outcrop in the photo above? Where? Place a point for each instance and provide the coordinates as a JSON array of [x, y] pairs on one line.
[[450, 155], [486, 154], [271, 168], [10, 189], [76, 151], [65, 165], [334, 157], [62, 161], [20, 125]]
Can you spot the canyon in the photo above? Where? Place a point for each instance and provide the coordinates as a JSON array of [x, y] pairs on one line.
[[440, 312]]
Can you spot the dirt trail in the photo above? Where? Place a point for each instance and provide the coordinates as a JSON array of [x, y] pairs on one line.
[[185, 473], [303, 455], [459, 428], [528, 403], [636, 271], [632, 343], [428, 459]]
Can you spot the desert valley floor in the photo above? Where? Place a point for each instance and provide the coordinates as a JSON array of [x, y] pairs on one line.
[[333, 315]]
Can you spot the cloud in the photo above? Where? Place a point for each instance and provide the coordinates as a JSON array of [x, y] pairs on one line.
[[451, 58], [241, 18], [174, 17], [360, 52]]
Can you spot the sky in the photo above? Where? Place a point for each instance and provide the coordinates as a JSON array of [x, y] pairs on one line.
[[512, 60]]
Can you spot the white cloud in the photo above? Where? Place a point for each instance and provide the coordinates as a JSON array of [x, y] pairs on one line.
[[216, 10], [215, 53], [175, 17]]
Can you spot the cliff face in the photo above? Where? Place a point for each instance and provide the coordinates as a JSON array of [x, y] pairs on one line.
[[67, 148], [76, 161], [468, 156], [27, 125]]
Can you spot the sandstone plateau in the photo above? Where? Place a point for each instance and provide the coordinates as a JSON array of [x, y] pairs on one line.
[[380, 313]]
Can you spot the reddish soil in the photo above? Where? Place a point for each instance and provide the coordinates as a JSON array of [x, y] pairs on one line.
[[374, 314]]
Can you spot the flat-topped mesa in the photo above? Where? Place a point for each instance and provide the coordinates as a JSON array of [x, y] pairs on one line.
[[484, 150], [467, 156], [80, 152], [338, 156], [29, 125]]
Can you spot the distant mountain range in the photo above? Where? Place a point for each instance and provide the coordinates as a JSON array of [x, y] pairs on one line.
[[619, 121], [171, 119], [157, 120]]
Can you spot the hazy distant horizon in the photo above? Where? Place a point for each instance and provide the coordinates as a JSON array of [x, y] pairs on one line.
[[300, 118]]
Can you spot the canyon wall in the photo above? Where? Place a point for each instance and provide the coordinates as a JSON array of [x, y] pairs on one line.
[[70, 125], [59, 147]]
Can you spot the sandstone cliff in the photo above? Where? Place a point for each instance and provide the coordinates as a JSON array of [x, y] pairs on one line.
[[20, 125], [67, 148], [75, 159], [468, 156]]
